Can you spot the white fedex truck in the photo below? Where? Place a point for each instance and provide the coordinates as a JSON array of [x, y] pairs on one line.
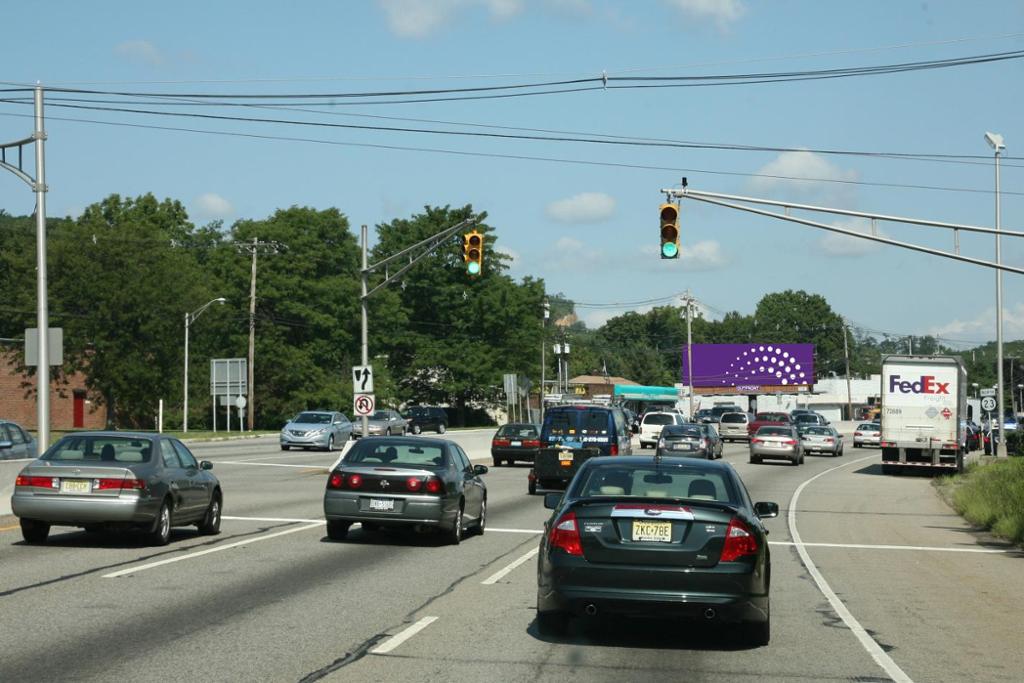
[[924, 403]]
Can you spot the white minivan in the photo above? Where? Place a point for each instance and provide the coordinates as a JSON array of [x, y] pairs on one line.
[[733, 426], [652, 424]]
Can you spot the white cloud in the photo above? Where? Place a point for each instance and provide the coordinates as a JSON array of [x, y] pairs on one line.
[[212, 206], [704, 255], [835, 244], [722, 12], [776, 178], [140, 51], [513, 255], [983, 326], [568, 254], [586, 207], [420, 18]]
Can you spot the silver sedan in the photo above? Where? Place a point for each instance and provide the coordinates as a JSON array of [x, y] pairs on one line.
[[384, 422], [321, 429], [117, 480], [776, 443], [817, 439]]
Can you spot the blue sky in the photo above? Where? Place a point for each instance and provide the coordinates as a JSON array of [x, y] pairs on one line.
[[589, 229]]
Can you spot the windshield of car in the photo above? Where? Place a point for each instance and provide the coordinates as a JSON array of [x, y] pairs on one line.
[[100, 450], [655, 482], [806, 417], [379, 415], [820, 431], [383, 452], [517, 430], [772, 417], [868, 427], [722, 410], [659, 419], [734, 418], [774, 431], [703, 412], [313, 418], [683, 430], [577, 422]]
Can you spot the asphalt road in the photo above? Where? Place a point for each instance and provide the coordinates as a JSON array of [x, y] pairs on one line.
[[882, 580]]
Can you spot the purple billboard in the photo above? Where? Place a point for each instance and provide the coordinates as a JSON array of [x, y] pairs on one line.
[[750, 366]]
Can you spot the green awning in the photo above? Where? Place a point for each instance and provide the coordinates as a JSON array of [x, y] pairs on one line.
[[637, 392]]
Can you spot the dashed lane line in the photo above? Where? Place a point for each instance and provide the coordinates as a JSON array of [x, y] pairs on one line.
[[402, 636], [868, 546], [506, 570]]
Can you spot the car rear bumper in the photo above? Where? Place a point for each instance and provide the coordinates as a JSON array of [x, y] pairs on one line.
[[76, 510], [524, 454], [740, 434], [773, 453], [867, 441], [351, 506]]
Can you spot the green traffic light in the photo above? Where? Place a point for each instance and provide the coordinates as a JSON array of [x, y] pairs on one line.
[[473, 268], [669, 250]]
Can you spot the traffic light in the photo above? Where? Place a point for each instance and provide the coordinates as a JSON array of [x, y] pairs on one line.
[[669, 231], [473, 252]]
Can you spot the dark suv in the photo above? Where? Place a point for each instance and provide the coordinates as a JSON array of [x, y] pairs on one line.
[[423, 418], [572, 434]]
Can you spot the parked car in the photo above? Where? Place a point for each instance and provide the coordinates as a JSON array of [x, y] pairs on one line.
[[384, 422], [406, 482], [769, 420], [572, 434], [733, 427], [117, 480], [427, 418], [818, 439], [15, 442], [515, 441], [690, 440], [652, 424], [652, 536], [321, 429], [776, 443], [867, 434]]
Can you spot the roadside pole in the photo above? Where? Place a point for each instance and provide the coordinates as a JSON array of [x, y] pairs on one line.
[[362, 300], [42, 303], [846, 356], [689, 350]]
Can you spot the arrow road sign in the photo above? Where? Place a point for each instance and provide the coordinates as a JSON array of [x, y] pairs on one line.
[[362, 379], [363, 405]]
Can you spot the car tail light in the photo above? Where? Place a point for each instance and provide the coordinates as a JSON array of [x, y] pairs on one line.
[[414, 484], [111, 484], [500, 442], [433, 485], [739, 541], [756, 440], [566, 535], [39, 482], [858, 434], [614, 450], [531, 443], [354, 481], [829, 439], [789, 442], [336, 480]]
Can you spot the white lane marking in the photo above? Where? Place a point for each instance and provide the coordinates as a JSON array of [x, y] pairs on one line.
[[516, 531], [344, 451], [402, 636], [867, 642], [268, 464], [189, 556], [865, 546], [274, 519], [501, 573]]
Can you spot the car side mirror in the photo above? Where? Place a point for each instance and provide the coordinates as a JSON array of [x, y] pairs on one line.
[[551, 500], [205, 465], [766, 510], [480, 469], [6, 444]]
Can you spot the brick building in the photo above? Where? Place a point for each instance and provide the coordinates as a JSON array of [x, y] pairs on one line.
[[72, 406]]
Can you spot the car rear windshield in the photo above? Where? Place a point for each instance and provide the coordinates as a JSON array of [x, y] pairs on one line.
[[577, 422], [772, 417], [659, 419], [100, 450], [722, 410], [655, 482], [868, 427], [313, 418], [524, 431], [806, 417], [774, 431], [683, 430], [377, 452], [734, 418], [821, 431]]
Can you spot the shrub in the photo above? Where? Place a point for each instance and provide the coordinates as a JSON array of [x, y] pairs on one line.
[[992, 497]]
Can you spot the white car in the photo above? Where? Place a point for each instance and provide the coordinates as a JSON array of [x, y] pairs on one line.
[[652, 424], [867, 434]]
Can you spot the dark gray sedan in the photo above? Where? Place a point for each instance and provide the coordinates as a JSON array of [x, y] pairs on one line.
[[690, 440], [101, 480], [411, 483]]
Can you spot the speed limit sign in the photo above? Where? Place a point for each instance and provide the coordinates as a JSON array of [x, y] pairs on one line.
[[988, 403], [363, 405]]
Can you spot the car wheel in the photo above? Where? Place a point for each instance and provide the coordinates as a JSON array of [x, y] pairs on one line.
[[34, 531], [531, 487], [416, 429], [160, 533], [330, 443], [442, 428], [370, 527], [336, 530], [552, 623], [758, 633], [856, 445], [454, 535], [211, 520], [285, 448], [754, 460], [481, 525]]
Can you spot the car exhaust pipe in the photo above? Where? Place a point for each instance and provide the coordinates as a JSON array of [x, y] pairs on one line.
[[709, 613], [590, 609]]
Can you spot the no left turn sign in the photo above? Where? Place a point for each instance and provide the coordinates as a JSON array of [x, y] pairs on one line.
[[363, 405]]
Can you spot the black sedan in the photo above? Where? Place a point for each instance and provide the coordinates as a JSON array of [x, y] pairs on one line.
[[515, 441], [652, 536], [404, 482], [690, 440]]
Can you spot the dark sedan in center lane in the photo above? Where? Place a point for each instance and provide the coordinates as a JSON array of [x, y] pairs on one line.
[[657, 537], [690, 440], [406, 482]]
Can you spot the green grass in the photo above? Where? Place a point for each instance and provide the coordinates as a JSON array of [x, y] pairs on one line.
[[990, 496]]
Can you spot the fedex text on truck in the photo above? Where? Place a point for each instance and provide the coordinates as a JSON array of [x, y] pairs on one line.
[[926, 385]]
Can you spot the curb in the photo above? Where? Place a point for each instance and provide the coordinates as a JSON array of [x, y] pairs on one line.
[[242, 437]]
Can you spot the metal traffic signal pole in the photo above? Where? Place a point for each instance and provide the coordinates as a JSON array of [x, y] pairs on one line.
[[362, 301]]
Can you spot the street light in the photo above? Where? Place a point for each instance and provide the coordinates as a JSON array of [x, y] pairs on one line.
[[995, 141], [974, 385], [189, 319]]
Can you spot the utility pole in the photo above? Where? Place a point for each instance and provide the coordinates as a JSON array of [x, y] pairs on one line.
[[996, 142], [253, 248], [42, 301], [846, 355], [364, 340], [689, 348], [543, 349]]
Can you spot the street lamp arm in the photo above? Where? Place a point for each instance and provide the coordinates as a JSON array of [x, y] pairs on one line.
[[191, 317]]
